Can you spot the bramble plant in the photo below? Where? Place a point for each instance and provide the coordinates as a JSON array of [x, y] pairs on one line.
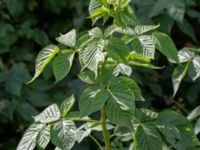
[[107, 55]]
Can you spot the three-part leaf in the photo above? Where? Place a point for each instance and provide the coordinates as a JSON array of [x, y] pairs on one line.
[[43, 58], [62, 64]]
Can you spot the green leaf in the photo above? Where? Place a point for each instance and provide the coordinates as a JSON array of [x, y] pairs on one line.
[[194, 69], [117, 49], [121, 103], [144, 45], [116, 115], [143, 28], [92, 55], [121, 92], [68, 39], [178, 74], [147, 138], [176, 10], [126, 17], [87, 77], [43, 58], [197, 127], [67, 105], [159, 6], [194, 113], [136, 56], [132, 85], [123, 69], [144, 64], [185, 55], [187, 28], [94, 5], [28, 141], [50, 114], [171, 133], [62, 64], [96, 33], [91, 100], [166, 46], [43, 137], [63, 134], [109, 30]]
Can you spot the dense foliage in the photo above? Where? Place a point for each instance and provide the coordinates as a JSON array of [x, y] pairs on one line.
[[108, 55]]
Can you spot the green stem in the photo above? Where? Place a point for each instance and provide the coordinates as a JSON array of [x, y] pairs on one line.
[[105, 131]]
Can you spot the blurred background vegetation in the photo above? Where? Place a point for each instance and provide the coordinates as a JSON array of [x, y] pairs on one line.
[[28, 25]]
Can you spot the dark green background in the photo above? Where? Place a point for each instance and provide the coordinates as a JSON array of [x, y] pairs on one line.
[[28, 25]]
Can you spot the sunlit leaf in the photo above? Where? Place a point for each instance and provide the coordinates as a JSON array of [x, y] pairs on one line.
[[63, 134], [67, 105], [144, 45], [92, 55], [143, 28], [50, 114], [96, 33], [28, 141], [68, 39], [43, 137], [43, 58], [123, 69]]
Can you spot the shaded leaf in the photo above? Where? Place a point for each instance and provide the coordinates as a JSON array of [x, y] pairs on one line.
[[117, 49], [62, 64], [147, 138], [178, 74], [166, 46], [194, 69], [91, 100]]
